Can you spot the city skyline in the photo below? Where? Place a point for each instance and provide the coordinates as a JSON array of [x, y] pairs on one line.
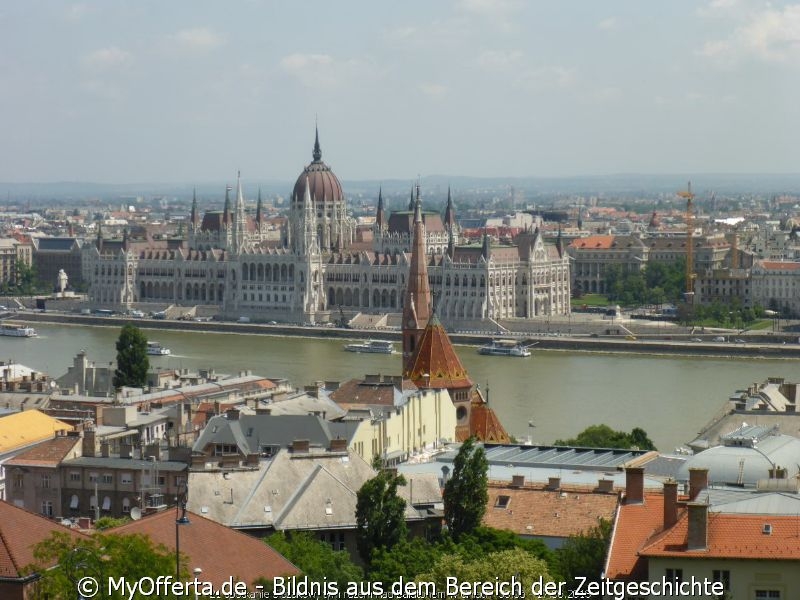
[[192, 92]]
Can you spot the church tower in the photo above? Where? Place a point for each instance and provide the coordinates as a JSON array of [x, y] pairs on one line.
[[240, 222], [416, 307]]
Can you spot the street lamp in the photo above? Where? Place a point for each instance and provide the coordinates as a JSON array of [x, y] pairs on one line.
[[180, 520]]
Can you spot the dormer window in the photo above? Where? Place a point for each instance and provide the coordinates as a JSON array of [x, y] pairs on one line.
[[502, 502]]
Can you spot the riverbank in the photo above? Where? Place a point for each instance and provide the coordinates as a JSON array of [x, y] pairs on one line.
[[759, 347]]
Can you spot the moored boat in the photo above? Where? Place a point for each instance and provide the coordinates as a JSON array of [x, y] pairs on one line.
[[14, 330], [504, 348], [372, 346], [156, 349]]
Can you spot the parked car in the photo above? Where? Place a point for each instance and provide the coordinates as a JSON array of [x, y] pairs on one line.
[[696, 340], [719, 338]]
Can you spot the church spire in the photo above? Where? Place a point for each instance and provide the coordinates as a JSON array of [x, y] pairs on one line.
[[259, 209], [411, 200], [240, 224], [380, 216], [486, 250], [416, 311], [193, 217], [317, 154], [227, 208]]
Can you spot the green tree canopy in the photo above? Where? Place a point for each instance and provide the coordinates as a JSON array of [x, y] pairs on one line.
[[132, 361], [503, 565], [100, 557], [602, 436], [584, 555], [466, 492], [316, 559], [380, 514]]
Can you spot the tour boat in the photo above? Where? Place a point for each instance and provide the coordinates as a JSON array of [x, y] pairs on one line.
[[372, 346], [504, 348], [13, 330], [156, 349]]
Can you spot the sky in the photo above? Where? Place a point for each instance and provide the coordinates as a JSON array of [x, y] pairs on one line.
[[192, 91]]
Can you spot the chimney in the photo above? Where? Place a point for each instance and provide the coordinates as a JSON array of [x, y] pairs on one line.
[[125, 450], [105, 449], [300, 446], [89, 442], [605, 486], [634, 485], [698, 481], [553, 483], [311, 390], [338, 445], [252, 460], [697, 537], [670, 503], [517, 481], [232, 414]]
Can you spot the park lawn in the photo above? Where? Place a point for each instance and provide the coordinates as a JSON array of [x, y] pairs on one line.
[[590, 300]]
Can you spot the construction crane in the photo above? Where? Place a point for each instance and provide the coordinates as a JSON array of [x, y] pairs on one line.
[[690, 275]]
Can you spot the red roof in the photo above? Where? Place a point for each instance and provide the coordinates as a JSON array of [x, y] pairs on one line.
[[634, 525], [594, 242], [20, 531], [435, 363], [780, 266], [733, 536], [220, 552]]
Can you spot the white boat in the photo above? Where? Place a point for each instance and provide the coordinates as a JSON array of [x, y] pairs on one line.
[[13, 330], [504, 348], [156, 349], [372, 346]]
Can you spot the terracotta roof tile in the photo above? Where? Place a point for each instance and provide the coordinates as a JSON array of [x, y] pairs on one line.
[[542, 512], [733, 536], [46, 454], [20, 531], [634, 525], [593, 242], [219, 551], [774, 265], [435, 363], [28, 427]]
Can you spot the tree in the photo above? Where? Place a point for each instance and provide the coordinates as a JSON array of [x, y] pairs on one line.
[[407, 559], [503, 565], [380, 514], [132, 361], [100, 557], [602, 436], [584, 555], [316, 559], [466, 492]]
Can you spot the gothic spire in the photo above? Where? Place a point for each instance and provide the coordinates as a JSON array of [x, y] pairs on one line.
[[259, 209], [411, 200], [417, 305], [486, 250], [380, 216], [193, 217], [227, 208], [317, 150]]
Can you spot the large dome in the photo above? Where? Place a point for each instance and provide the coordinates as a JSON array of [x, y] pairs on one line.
[[323, 183]]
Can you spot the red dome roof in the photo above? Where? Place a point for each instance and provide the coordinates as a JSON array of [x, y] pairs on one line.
[[323, 183]]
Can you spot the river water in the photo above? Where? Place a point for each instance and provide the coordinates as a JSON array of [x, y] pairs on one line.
[[561, 393]]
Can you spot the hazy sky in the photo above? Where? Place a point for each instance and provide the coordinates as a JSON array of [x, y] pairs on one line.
[[184, 91]]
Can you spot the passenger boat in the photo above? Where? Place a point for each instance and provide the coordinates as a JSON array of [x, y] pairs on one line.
[[372, 346], [156, 349], [504, 348], [13, 330]]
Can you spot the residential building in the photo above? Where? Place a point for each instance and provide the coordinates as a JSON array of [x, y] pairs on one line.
[[13, 251], [775, 285], [592, 256], [52, 254], [20, 431], [20, 532]]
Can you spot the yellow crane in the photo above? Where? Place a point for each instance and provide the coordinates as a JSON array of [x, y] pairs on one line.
[[690, 275]]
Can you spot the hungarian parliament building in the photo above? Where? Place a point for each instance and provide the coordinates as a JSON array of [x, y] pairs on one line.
[[320, 270]]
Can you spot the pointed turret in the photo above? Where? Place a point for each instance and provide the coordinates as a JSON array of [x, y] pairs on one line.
[[486, 250], [99, 242], [449, 212], [226, 211], [411, 200], [380, 217], [194, 218], [317, 154], [240, 224], [259, 211], [416, 308], [560, 242]]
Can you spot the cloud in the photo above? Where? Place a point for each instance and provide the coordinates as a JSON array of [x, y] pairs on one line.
[[323, 70], [499, 60], [433, 90], [766, 33], [542, 78], [198, 39], [608, 23], [107, 58]]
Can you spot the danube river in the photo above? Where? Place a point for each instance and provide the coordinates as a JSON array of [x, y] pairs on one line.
[[671, 397]]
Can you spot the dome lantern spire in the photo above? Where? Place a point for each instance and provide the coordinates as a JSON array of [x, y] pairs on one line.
[[317, 150]]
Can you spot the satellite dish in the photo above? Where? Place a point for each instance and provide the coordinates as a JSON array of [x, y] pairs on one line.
[[136, 513], [53, 384]]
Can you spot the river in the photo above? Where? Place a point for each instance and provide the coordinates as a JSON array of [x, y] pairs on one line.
[[560, 392]]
